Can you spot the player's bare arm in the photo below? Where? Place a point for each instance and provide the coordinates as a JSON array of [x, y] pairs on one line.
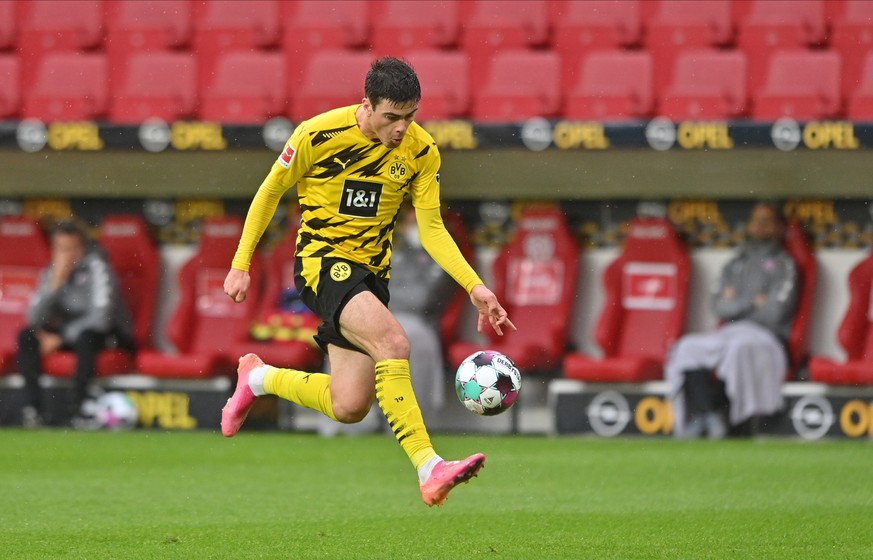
[[490, 310]]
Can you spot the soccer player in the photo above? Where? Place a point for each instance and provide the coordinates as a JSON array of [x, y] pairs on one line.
[[353, 166]]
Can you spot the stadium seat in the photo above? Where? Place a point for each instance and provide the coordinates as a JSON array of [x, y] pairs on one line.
[[643, 312], [451, 322], [802, 85], [490, 27], [534, 277], [678, 26], [68, 87], [521, 84], [860, 103], [134, 257], [24, 252], [133, 26], [321, 91], [400, 26], [772, 26], [852, 37], [206, 325], [798, 246], [156, 85], [706, 84], [8, 24], [580, 28], [445, 92], [224, 27], [283, 327], [612, 86], [248, 88], [312, 26], [855, 335], [50, 26], [10, 90]]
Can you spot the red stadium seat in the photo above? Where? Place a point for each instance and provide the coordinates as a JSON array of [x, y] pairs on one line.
[[8, 24], [248, 88], [400, 26], [855, 335], [678, 26], [706, 85], [206, 325], [286, 340], [10, 86], [455, 312], [802, 85], [312, 26], [535, 280], [860, 105], [133, 26], [157, 84], [321, 91], [444, 81], [491, 27], [520, 85], [580, 28], [644, 309], [51, 26], [69, 87], [134, 257], [852, 37], [612, 86], [772, 26], [224, 27], [24, 252], [798, 246]]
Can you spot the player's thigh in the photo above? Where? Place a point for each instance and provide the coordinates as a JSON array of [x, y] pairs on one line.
[[368, 324], [352, 380]]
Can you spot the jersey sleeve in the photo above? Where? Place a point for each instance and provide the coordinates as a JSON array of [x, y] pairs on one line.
[[426, 186], [440, 245], [291, 165]]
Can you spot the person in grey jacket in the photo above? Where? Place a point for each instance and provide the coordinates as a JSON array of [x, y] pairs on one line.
[[77, 307], [754, 301]]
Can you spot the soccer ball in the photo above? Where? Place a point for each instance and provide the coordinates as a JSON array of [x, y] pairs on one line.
[[487, 383], [115, 411]]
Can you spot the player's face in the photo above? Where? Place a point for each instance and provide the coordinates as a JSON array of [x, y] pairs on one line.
[[388, 121], [763, 224]]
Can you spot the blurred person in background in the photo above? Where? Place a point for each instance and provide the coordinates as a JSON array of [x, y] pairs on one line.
[[744, 360], [77, 307]]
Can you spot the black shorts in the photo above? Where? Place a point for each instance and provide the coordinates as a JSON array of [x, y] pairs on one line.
[[326, 285]]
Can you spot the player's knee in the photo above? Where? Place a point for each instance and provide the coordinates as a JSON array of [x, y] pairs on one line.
[[350, 413], [395, 345]]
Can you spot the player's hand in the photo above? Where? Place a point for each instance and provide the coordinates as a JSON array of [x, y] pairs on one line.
[[48, 342], [237, 284], [489, 310]]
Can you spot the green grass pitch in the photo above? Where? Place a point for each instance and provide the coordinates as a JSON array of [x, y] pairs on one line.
[[152, 494]]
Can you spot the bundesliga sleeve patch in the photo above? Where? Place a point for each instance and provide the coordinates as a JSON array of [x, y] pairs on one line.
[[286, 156]]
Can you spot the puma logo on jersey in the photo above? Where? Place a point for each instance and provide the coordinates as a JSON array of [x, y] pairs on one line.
[[339, 161]]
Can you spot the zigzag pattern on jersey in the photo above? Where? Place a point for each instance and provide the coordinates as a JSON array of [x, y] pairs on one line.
[[321, 136], [337, 162]]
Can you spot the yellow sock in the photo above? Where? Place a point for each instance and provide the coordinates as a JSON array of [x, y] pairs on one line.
[[397, 401], [311, 390]]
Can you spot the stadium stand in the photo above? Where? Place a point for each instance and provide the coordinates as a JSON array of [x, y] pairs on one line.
[[800, 84], [53, 26], [400, 26], [10, 90], [311, 26], [133, 256], [224, 27], [134, 27], [156, 85], [798, 246], [860, 104], [8, 24], [855, 335], [852, 37], [444, 76], [24, 252], [248, 88], [707, 84], [332, 79], [643, 313], [677, 26], [206, 325], [580, 28], [613, 86], [70, 86], [521, 84], [534, 277]]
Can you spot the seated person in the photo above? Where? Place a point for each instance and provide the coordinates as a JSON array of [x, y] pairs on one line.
[[77, 307], [754, 301]]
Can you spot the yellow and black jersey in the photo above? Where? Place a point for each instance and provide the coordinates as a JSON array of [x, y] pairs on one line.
[[350, 189]]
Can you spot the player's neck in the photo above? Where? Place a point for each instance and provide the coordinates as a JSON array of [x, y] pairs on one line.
[[364, 125]]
